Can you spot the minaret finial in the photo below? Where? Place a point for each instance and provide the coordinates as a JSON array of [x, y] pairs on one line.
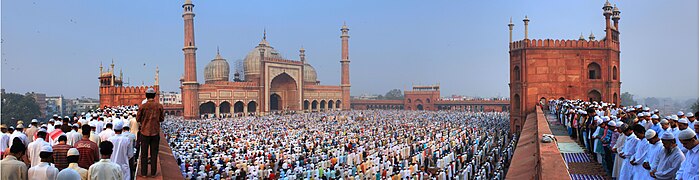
[[264, 33], [217, 49]]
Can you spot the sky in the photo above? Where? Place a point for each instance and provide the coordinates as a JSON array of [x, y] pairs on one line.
[[56, 47]]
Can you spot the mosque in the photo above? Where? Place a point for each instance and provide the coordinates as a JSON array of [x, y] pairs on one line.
[[271, 83]]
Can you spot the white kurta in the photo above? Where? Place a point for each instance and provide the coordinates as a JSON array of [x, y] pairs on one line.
[[34, 149], [619, 145], [652, 151], [73, 137], [105, 169], [668, 163], [122, 152], [42, 171], [689, 167], [639, 157], [630, 147]]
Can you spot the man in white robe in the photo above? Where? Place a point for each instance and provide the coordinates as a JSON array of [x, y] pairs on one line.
[[669, 161], [123, 149]]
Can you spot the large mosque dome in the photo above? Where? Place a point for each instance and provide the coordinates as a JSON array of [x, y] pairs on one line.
[[309, 74], [252, 60], [217, 70]]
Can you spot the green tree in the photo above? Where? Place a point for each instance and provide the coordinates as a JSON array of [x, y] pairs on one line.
[[694, 107], [394, 94], [627, 99], [19, 107]]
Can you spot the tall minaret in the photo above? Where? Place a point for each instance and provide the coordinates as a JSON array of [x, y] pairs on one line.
[[190, 85], [526, 21], [345, 68], [157, 78], [510, 29], [607, 12]]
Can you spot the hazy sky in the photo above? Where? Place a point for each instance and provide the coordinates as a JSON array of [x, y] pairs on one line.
[[56, 47]]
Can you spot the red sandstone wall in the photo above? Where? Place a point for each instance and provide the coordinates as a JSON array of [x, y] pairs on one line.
[[126, 96]]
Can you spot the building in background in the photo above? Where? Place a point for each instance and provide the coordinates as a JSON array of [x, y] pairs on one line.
[[55, 105], [114, 93], [428, 98], [40, 99], [170, 98], [544, 69]]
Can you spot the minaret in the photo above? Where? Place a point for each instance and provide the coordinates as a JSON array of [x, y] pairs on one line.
[[263, 99], [510, 29], [157, 78], [591, 37], [616, 16], [607, 12], [581, 38], [189, 84], [302, 55], [100, 68], [526, 21], [111, 73], [345, 68]]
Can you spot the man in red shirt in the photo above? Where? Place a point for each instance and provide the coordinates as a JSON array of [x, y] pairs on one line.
[[149, 115], [60, 152], [89, 151]]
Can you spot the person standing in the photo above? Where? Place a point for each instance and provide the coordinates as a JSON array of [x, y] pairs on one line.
[[689, 167], [34, 148], [668, 162], [44, 170], [89, 150], [11, 167], [105, 169], [73, 136], [61, 149], [149, 115], [73, 157], [123, 149], [4, 140], [32, 130]]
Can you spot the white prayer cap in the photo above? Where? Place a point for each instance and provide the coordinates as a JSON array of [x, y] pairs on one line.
[[650, 134], [664, 121], [668, 135], [599, 121], [638, 106], [647, 114], [686, 134], [51, 120], [73, 152], [611, 123], [605, 118], [92, 124], [683, 120], [619, 123], [20, 126], [68, 174], [42, 130], [680, 113], [640, 114], [35, 121], [674, 117], [605, 104], [689, 115], [656, 110], [46, 148], [654, 116], [646, 109]]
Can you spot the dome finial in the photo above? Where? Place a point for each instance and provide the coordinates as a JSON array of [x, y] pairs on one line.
[[264, 33], [218, 56]]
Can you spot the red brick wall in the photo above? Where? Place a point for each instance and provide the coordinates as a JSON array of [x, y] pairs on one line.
[[553, 69], [425, 98], [124, 96]]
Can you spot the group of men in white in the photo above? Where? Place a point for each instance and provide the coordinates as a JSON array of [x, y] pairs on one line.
[[99, 144], [634, 142], [370, 144]]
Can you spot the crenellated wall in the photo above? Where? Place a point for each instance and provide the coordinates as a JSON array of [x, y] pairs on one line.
[[124, 95]]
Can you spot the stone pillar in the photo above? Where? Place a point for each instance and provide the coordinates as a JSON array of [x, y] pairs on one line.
[[345, 68], [217, 111]]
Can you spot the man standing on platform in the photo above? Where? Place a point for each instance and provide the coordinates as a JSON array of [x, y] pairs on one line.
[[149, 115]]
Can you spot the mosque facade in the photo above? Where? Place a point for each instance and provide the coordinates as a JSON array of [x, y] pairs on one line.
[[544, 69], [270, 83]]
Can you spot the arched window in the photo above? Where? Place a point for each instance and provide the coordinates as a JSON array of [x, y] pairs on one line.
[[594, 95], [516, 103], [593, 71], [516, 73], [614, 73], [409, 100]]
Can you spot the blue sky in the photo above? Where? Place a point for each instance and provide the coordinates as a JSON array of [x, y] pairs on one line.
[[56, 47]]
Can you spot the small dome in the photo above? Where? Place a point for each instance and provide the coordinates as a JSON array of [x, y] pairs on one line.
[[309, 74], [216, 70], [252, 60]]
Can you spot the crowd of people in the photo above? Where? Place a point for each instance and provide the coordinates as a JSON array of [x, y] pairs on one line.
[[633, 142], [370, 144], [98, 144]]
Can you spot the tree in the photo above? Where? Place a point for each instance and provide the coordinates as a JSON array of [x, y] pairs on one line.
[[627, 99], [394, 94], [19, 107], [694, 107]]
